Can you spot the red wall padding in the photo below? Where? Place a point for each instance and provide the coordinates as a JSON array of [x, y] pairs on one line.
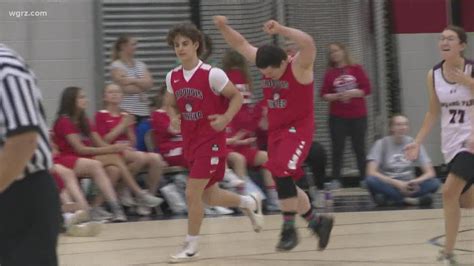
[[421, 16]]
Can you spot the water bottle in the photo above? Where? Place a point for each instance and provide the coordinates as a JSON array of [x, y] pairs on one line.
[[328, 195]]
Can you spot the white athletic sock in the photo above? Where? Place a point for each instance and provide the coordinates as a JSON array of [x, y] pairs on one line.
[[247, 202], [192, 242], [190, 238]]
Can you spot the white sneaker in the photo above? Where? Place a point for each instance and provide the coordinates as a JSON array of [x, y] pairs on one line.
[[143, 210], [100, 214], [250, 187], [447, 259], [256, 216], [77, 217], [147, 199], [231, 180], [119, 216], [186, 254], [222, 210], [174, 199], [84, 229], [126, 198], [209, 211]]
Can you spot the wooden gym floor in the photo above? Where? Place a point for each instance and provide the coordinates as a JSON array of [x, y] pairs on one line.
[[370, 236]]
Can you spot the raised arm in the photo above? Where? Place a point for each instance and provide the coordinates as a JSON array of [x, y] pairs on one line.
[[235, 40], [304, 59]]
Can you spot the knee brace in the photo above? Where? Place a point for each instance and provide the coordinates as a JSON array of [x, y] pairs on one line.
[[286, 187]]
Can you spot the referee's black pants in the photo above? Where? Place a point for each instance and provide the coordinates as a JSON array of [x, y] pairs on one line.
[[29, 222]]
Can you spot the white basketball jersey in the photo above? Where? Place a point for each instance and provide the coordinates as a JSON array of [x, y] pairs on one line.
[[456, 101]]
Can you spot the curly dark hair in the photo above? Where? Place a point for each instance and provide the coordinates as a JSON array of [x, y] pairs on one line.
[[187, 30]]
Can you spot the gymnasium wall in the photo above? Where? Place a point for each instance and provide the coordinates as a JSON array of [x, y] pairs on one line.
[[59, 46]]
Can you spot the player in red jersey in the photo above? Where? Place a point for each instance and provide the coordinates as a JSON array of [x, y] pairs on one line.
[[201, 101], [288, 85], [115, 126]]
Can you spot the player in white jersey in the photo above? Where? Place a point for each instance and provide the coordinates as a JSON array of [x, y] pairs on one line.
[[451, 94]]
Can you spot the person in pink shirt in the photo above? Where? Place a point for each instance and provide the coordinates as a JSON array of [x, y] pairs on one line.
[[116, 126], [345, 87]]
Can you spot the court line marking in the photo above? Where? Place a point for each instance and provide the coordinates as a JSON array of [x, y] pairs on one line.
[[434, 241], [248, 231]]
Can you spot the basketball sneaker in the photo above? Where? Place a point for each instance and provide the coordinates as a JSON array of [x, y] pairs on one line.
[[255, 216], [187, 253], [288, 238], [447, 259], [322, 229]]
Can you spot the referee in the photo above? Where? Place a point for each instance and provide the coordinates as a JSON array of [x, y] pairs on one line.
[[29, 202]]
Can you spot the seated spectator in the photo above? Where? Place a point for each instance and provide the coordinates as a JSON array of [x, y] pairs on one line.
[[85, 167], [391, 177], [77, 138], [115, 126], [166, 137]]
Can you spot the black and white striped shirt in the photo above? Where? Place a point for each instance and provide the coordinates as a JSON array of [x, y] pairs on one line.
[[21, 109]]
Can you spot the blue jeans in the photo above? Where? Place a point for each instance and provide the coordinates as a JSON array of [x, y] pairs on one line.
[[391, 193]]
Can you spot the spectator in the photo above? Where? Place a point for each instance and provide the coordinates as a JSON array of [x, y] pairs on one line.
[[345, 86], [391, 177], [115, 126], [77, 137], [132, 76]]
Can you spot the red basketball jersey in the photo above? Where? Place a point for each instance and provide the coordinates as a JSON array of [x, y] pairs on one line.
[[290, 103], [196, 101]]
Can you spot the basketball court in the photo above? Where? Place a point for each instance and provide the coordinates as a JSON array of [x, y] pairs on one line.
[[369, 237]]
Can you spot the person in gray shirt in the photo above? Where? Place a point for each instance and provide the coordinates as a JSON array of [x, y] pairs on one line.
[[391, 177]]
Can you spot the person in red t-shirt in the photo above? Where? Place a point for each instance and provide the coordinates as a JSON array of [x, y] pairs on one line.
[[115, 126], [288, 91], [86, 167], [201, 101], [77, 138], [167, 139], [241, 132], [345, 87]]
